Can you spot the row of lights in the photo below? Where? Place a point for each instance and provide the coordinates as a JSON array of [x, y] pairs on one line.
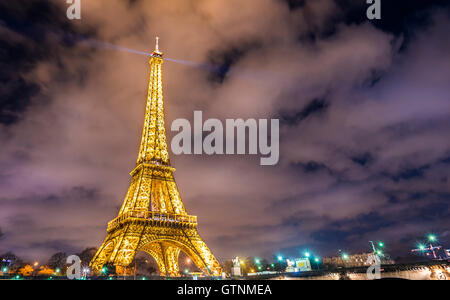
[[345, 256]]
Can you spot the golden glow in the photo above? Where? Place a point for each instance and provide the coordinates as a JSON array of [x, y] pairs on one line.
[[152, 217]]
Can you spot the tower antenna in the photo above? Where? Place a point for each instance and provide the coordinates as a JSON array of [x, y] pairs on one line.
[[157, 44]]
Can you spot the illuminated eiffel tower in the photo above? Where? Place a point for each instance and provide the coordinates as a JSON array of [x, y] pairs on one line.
[[153, 218]]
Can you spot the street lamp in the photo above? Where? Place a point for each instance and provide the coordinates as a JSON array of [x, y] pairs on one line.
[[280, 258], [307, 254], [257, 261], [317, 260], [85, 271], [432, 238], [345, 256], [381, 244]]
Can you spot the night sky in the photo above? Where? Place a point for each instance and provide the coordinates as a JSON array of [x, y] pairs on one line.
[[364, 109]]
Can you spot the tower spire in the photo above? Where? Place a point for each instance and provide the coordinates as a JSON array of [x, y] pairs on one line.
[[157, 47], [153, 148]]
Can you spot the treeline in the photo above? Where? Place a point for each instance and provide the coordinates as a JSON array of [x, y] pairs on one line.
[[56, 265]]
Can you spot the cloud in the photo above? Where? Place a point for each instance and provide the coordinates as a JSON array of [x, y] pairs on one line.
[[363, 125]]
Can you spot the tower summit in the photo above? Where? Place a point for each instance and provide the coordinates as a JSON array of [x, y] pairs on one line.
[[153, 147], [152, 217]]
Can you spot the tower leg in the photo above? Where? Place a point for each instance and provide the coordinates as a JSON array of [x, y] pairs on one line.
[[165, 263], [118, 249], [103, 254], [201, 255], [171, 255]]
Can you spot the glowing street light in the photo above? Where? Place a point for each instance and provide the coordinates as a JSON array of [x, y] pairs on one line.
[[36, 264], [381, 244], [188, 260], [104, 270], [345, 256], [421, 247], [317, 260], [432, 238], [257, 261], [5, 269], [307, 254], [280, 258]]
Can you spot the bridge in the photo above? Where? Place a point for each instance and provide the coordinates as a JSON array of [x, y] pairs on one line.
[[433, 270]]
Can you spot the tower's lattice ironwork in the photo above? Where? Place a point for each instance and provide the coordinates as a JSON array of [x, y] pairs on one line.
[[152, 217]]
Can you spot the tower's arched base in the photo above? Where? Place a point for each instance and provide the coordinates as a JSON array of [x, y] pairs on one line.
[[162, 242]]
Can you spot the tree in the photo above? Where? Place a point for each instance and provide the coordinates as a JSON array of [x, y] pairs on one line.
[[143, 266], [11, 260], [86, 256], [58, 260], [45, 270], [27, 270], [227, 265]]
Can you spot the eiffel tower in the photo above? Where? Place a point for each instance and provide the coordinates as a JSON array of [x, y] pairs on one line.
[[152, 217]]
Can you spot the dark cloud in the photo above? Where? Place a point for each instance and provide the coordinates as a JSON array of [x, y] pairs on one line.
[[316, 106], [363, 159], [32, 33], [224, 59]]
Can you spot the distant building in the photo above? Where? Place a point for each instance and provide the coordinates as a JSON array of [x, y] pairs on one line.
[[298, 265], [355, 260]]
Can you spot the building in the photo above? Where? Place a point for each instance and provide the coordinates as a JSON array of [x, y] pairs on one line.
[[355, 260], [298, 265]]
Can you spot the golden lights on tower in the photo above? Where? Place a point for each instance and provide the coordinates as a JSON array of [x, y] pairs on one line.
[[152, 217]]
